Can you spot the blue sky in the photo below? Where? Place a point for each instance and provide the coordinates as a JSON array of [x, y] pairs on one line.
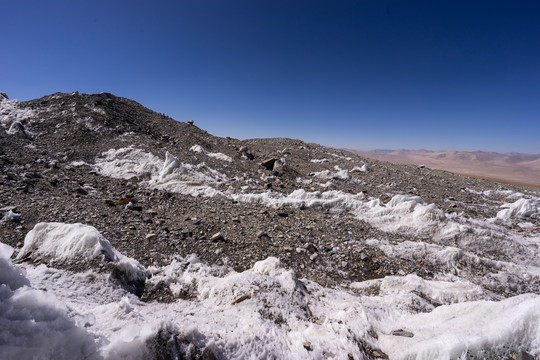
[[441, 75]]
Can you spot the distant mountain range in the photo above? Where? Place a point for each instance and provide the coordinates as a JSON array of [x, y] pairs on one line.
[[514, 168]]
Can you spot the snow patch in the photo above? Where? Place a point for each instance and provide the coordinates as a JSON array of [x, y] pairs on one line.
[[126, 163], [363, 168], [67, 241], [11, 112], [328, 175], [34, 324], [195, 180], [169, 175], [95, 109], [11, 216], [64, 242], [89, 122], [318, 161], [79, 163], [522, 208], [199, 149], [483, 328]]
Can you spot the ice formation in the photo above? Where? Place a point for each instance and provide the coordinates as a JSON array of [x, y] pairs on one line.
[[522, 208], [62, 242], [11, 112], [234, 313], [170, 175], [220, 156], [34, 324]]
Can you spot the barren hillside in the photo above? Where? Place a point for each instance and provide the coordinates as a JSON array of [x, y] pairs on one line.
[[126, 234]]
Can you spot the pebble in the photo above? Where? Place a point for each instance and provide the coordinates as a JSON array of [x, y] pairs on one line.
[[261, 234], [402, 332], [311, 248], [379, 354], [151, 237], [217, 237]]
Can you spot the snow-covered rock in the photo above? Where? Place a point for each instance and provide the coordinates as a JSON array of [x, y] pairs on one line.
[[69, 242]]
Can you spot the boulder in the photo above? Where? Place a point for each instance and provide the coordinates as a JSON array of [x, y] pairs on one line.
[[269, 163]]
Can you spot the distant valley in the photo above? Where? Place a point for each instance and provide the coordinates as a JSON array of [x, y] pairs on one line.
[[512, 168]]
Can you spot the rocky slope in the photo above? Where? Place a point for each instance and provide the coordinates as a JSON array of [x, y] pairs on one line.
[[160, 190]]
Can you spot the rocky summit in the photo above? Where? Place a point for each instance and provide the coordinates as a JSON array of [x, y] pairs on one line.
[[262, 248]]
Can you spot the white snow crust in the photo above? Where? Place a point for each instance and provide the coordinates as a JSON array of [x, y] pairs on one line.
[[10, 215], [60, 241], [522, 208], [318, 161], [34, 324], [170, 175], [438, 234], [11, 112], [126, 163], [220, 156], [363, 168], [327, 174], [263, 312]]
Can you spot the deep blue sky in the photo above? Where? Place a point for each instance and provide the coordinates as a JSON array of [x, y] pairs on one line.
[[452, 75]]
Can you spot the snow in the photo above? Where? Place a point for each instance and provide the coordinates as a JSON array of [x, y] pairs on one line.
[[34, 324], [441, 239], [95, 109], [11, 112], [125, 163], [79, 163], [89, 123], [264, 312], [327, 174], [11, 216], [169, 175], [220, 156], [66, 241], [522, 208], [195, 180], [363, 168], [401, 213], [318, 161], [484, 328], [445, 292], [341, 157], [61, 242], [10, 276]]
